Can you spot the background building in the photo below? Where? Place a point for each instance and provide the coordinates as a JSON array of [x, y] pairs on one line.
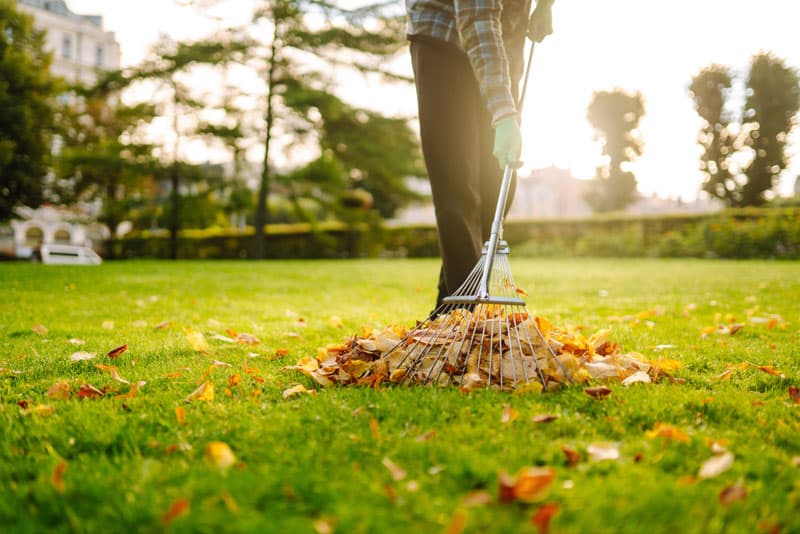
[[79, 45]]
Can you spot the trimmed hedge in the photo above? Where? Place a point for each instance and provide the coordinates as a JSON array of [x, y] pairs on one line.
[[746, 233]]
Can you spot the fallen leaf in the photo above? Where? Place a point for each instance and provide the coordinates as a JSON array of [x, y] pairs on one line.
[[458, 523], [323, 526], [162, 325], [114, 353], [427, 436], [299, 389], [197, 340], [81, 356], [509, 414], [177, 509], [477, 498], [637, 377], [23, 404], [88, 391], [40, 329], [573, 457], [281, 353], [521, 292], [794, 394], [373, 427], [716, 465], [731, 494], [544, 418], [113, 370], [60, 390], [40, 409], [529, 485], [234, 380], [599, 392], [395, 470], [107, 325], [603, 451], [133, 391], [795, 461], [542, 517], [668, 432], [76, 341], [336, 322], [58, 477], [180, 415], [204, 393], [220, 455], [770, 370]]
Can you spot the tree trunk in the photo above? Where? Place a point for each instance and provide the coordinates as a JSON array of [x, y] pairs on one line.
[[262, 210]]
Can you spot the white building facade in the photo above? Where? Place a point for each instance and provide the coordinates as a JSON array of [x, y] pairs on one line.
[[79, 44]]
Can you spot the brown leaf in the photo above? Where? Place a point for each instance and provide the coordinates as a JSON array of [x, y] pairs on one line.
[[544, 418], [23, 404], [163, 325], [599, 392], [114, 353], [529, 485], [427, 436], [395, 470], [573, 457], [542, 517], [731, 494], [88, 391], [770, 370], [477, 498], [57, 477], [60, 390], [178, 508], [40, 329], [794, 394]]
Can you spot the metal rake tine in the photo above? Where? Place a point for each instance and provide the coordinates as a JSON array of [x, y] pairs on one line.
[[417, 362]]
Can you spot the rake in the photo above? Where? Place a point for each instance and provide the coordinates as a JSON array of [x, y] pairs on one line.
[[482, 334]]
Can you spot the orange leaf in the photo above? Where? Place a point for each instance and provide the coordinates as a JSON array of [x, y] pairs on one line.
[[599, 392], [180, 415], [573, 457], [731, 494], [458, 523], [373, 427], [529, 485], [162, 325], [668, 432], [770, 370], [134, 390], [509, 414], [521, 292], [113, 370], [88, 391], [176, 374], [542, 517], [60, 390], [234, 380], [58, 477], [178, 508], [281, 353], [114, 353]]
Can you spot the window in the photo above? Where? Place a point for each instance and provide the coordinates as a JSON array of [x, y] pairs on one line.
[[66, 47], [99, 56]]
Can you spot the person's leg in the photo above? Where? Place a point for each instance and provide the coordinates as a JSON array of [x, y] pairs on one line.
[[449, 110]]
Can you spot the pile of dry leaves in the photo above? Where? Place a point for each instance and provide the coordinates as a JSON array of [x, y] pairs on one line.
[[487, 348]]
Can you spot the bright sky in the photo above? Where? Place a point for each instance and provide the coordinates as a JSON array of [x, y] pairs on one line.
[[651, 47]]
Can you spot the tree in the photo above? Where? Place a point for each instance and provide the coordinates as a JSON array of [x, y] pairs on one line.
[[773, 99], [27, 93], [615, 116], [710, 89]]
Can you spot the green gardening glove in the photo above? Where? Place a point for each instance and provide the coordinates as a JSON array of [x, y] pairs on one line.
[[507, 142]]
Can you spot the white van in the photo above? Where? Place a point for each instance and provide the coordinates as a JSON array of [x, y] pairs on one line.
[[69, 255]]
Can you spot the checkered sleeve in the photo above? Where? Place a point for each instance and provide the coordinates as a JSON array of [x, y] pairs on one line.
[[480, 29]]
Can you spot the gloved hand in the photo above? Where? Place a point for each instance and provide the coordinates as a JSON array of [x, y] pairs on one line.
[[540, 24], [507, 142]]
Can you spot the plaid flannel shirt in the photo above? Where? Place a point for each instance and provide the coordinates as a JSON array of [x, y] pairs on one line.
[[485, 30]]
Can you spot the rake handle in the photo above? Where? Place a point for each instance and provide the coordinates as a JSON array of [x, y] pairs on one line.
[[502, 199]]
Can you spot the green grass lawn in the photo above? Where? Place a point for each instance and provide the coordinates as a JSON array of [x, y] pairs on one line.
[[318, 462]]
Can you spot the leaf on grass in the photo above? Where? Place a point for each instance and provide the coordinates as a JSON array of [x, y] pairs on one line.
[[323, 526], [88, 391], [457, 523], [81, 356], [794, 394], [234, 380], [521, 292], [373, 428], [665, 364], [40, 409], [61, 390], [336, 322], [725, 375], [529, 485], [243, 339], [668, 432], [544, 418], [599, 452], [716, 465], [220, 455], [40, 329], [162, 325], [395, 470], [177, 509], [477, 498], [57, 478], [427, 436], [113, 370], [107, 325], [770, 370], [541, 518], [299, 389], [76, 341], [509, 414], [196, 340], [599, 392], [573, 457], [133, 391], [731, 494], [115, 353], [204, 393], [281, 353], [180, 415], [637, 377]]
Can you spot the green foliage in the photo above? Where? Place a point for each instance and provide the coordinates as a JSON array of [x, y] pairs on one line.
[[615, 116], [772, 100], [27, 98]]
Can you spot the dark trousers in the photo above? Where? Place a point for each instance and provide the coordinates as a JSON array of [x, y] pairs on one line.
[[457, 140]]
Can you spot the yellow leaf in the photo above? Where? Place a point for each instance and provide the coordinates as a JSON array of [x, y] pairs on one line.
[[299, 389], [60, 390], [220, 455], [204, 393], [666, 364], [336, 322], [530, 484], [40, 409], [196, 340], [134, 390], [668, 432]]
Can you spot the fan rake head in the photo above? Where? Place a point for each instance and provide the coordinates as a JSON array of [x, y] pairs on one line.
[[482, 335]]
